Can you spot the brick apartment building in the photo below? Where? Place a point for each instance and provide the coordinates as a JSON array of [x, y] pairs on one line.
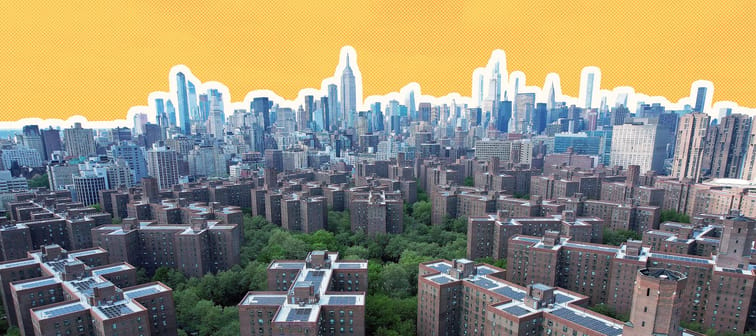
[[461, 298], [193, 238], [718, 295], [316, 296], [42, 218], [488, 236], [56, 292]]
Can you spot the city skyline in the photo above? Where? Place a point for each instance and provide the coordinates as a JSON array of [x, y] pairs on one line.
[[511, 83]]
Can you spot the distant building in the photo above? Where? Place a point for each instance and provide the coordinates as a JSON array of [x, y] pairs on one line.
[[79, 141]]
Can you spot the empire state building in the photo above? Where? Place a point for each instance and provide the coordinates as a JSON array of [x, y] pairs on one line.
[[348, 95]]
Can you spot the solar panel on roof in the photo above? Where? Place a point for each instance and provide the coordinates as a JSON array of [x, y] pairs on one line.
[[682, 258], [54, 312], [115, 310], [39, 283], [516, 310], [298, 314], [342, 300], [142, 292], [510, 293], [588, 322], [441, 280], [443, 268], [485, 283], [349, 266]]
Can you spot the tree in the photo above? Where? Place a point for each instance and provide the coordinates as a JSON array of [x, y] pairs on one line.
[[469, 181], [618, 237], [674, 216], [421, 212], [97, 207], [39, 181]]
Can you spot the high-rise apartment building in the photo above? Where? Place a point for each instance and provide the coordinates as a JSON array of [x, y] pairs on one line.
[[639, 143], [689, 150], [725, 147], [162, 164], [79, 141]]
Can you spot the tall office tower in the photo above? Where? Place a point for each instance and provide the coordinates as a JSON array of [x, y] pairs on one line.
[[539, 118], [638, 143], [159, 108], [215, 124], [525, 103], [301, 119], [590, 89], [551, 103], [424, 112], [51, 141], [657, 303], [413, 106], [261, 106], [215, 99], [170, 110], [691, 137], [619, 114], [700, 100], [204, 107], [193, 107], [133, 156], [348, 95], [333, 106], [79, 141], [309, 107], [162, 164], [325, 105], [140, 119], [183, 103], [33, 139], [505, 114], [725, 147]]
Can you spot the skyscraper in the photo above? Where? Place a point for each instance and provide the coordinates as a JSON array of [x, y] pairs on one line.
[[79, 141], [134, 158], [590, 86], [171, 111], [333, 106], [51, 141], [424, 111], [700, 99], [33, 140], [162, 164], [725, 147], [412, 106], [638, 143], [691, 137], [183, 103], [525, 103], [552, 98], [505, 114], [325, 105], [261, 106], [193, 108], [348, 94]]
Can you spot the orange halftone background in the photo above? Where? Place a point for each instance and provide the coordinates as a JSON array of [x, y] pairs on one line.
[[97, 59]]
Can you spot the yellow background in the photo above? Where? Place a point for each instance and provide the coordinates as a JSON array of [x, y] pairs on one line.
[[98, 58]]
